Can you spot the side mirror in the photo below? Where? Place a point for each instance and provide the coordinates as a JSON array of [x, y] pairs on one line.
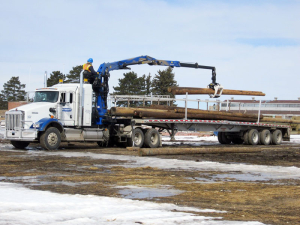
[[53, 110]]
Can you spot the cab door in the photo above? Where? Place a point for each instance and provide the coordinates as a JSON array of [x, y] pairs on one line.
[[66, 108]]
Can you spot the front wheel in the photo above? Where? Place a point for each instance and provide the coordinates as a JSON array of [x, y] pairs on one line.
[[50, 139], [20, 144]]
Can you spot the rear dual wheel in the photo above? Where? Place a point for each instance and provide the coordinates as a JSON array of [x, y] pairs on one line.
[[151, 138], [264, 137], [276, 137], [223, 139], [137, 138], [253, 137]]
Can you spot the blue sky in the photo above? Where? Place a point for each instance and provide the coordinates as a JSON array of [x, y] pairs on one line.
[[255, 45]]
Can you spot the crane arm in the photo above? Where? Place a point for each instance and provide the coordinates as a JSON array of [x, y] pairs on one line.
[[105, 68], [101, 87]]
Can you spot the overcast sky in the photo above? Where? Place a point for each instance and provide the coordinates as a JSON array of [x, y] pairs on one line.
[[254, 45]]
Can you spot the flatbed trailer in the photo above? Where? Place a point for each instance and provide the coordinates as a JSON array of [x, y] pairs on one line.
[[228, 131]]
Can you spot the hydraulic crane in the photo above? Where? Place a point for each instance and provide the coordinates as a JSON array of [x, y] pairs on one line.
[[101, 86]]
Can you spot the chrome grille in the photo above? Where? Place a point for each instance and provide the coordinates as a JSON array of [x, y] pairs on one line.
[[14, 120]]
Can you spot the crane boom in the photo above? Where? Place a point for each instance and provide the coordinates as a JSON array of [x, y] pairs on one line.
[[104, 68], [101, 86]]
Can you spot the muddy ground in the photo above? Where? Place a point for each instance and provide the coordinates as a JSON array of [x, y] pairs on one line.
[[270, 201]]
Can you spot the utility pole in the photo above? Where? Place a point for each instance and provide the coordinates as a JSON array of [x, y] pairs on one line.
[[45, 79]]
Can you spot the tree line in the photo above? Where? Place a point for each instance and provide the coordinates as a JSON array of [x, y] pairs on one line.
[[130, 84]]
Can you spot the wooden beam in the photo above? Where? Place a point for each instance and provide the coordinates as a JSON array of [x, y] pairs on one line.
[[204, 150], [221, 113], [201, 91]]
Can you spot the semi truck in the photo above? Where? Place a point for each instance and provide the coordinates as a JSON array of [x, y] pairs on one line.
[[78, 112]]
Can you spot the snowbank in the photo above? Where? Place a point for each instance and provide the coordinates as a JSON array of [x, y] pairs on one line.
[[19, 205]]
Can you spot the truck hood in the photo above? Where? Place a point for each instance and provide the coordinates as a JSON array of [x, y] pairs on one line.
[[33, 112], [34, 107]]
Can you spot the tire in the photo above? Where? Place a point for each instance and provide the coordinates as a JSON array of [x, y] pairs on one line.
[[253, 137], [20, 144], [152, 138], [265, 137], [237, 141], [220, 138], [277, 137], [246, 138], [110, 143], [138, 137], [225, 138], [50, 139], [100, 144]]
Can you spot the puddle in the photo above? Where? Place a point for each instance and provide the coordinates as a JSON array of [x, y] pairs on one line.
[[135, 192]]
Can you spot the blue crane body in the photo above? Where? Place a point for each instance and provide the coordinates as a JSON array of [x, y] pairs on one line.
[[101, 85]]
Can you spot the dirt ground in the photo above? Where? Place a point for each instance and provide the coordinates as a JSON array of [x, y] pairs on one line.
[[268, 201]]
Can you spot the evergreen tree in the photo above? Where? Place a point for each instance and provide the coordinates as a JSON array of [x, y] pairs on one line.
[[74, 75], [162, 81], [148, 83], [12, 91], [3, 102], [54, 78], [131, 84]]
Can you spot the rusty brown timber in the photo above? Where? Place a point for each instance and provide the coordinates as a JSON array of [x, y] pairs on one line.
[[183, 151], [200, 116], [278, 120], [169, 113], [221, 113], [197, 91], [166, 110], [123, 111]]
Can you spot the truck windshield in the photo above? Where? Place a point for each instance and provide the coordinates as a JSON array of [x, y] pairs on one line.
[[46, 96]]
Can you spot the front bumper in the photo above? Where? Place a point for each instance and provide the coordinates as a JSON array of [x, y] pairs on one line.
[[21, 135]]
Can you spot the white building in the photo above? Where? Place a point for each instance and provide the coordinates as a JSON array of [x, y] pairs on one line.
[[275, 108]]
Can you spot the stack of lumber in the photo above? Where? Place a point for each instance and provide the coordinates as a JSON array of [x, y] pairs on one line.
[[166, 112], [201, 91]]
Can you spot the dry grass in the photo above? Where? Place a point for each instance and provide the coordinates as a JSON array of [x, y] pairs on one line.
[[276, 202]]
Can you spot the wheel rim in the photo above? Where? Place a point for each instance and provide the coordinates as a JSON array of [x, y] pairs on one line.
[[153, 138], [278, 137], [137, 138], [268, 138], [255, 137], [52, 139]]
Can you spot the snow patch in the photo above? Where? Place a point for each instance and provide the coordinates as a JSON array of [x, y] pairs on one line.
[[19, 205]]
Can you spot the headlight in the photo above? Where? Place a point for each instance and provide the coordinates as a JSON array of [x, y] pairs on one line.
[[36, 125]]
